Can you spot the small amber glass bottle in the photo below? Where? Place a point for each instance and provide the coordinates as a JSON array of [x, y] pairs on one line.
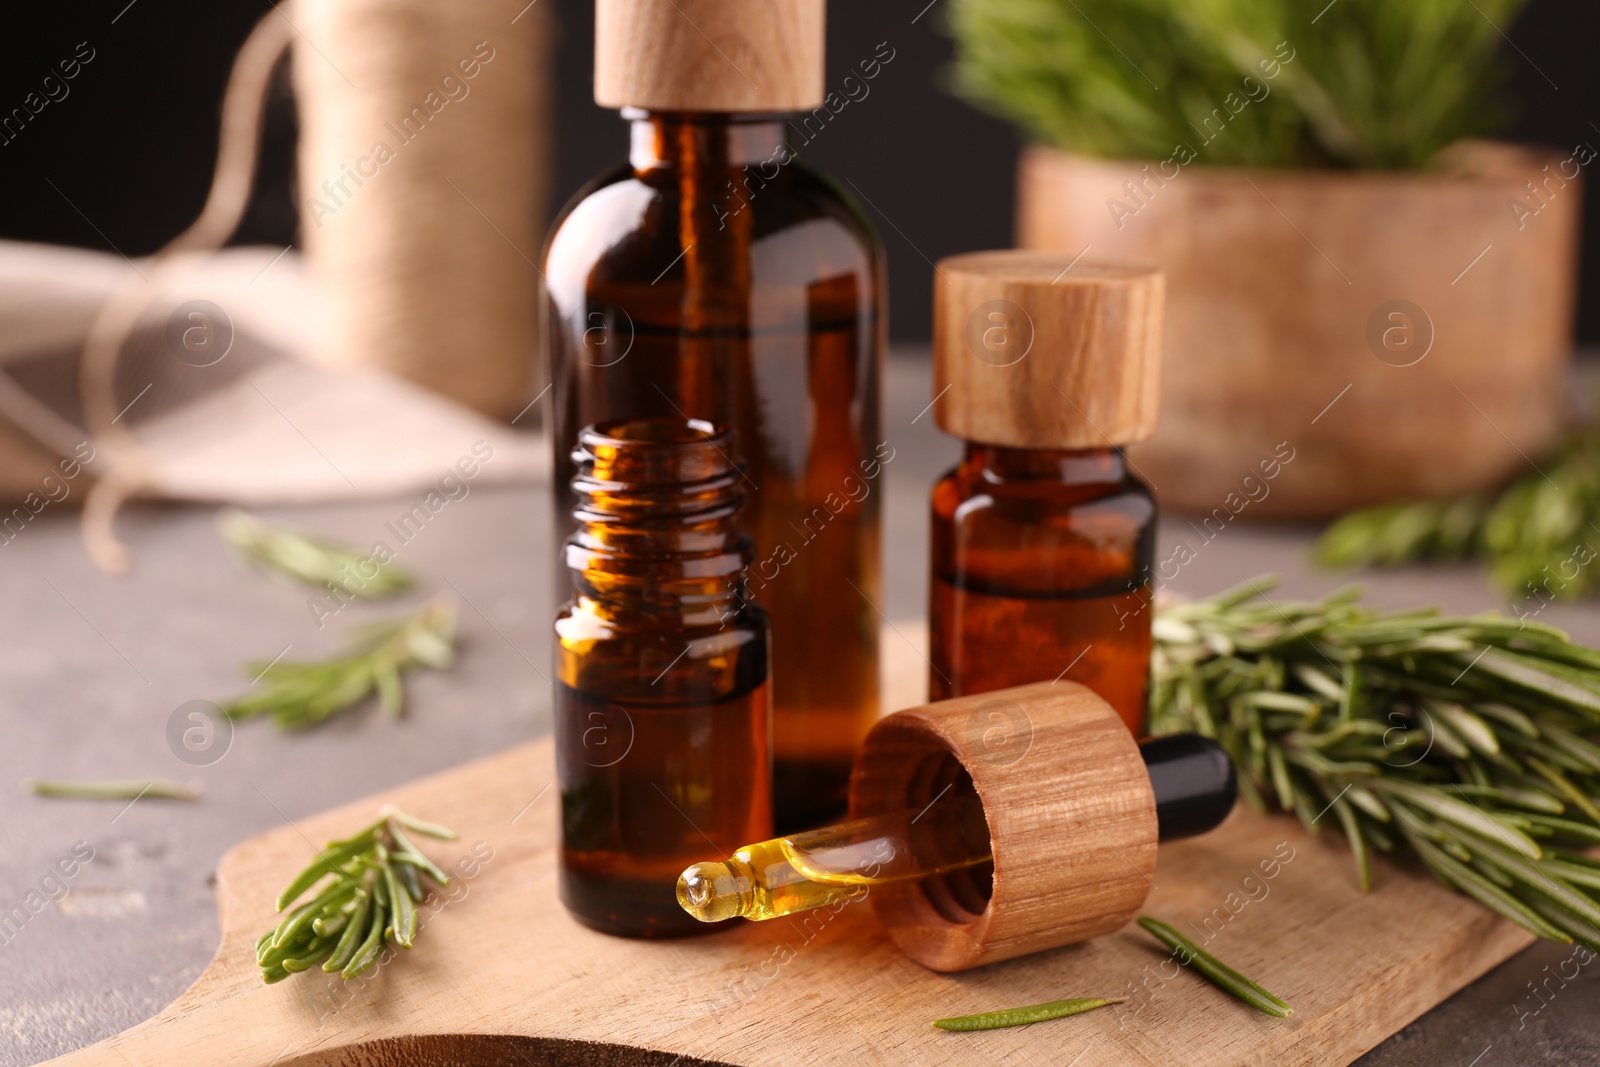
[[715, 276], [1042, 537], [662, 707]]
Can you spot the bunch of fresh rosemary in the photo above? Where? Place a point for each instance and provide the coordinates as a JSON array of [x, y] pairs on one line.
[[371, 886], [1465, 739], [1537, 536]]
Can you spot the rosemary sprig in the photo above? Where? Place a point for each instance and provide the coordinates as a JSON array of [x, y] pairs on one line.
[[1392, 535], [312, 560], [1465, 739], [300, 693], [1033, 1013], [111, 789], [1215, 971], [1538, 536], [370, 886]]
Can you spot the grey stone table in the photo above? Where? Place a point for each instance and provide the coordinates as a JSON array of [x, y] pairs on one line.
[[93, 668]]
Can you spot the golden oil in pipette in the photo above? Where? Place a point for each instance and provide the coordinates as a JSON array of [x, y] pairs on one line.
[[1191, 778], [785, 875]]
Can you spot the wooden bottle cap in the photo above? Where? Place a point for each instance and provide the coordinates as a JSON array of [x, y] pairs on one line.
[[709, 55], [1039, 350], [1071, 813]]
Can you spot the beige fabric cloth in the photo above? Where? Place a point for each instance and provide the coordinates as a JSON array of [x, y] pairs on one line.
[[259, 425]]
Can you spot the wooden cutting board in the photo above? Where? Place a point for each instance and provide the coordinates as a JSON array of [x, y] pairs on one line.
[[501, 975]]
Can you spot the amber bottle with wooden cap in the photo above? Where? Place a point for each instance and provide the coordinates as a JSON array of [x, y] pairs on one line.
[[714, 276], [662, 705], [987, 827], [1043, 536]]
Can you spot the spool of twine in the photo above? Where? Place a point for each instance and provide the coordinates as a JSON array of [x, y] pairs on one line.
[[424, 133]]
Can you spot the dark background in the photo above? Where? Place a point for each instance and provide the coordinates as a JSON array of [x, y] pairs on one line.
[[129, 150]]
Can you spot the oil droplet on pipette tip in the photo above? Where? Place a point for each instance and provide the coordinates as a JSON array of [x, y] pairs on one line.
[[709, 891]]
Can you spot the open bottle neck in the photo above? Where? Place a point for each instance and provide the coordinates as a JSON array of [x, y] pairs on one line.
[[657, 514], [687, 139], [1089, 466]]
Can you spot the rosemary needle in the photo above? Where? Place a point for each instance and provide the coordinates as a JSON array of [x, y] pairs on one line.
[[1033, 1013], [112, 789], [1218, 973]]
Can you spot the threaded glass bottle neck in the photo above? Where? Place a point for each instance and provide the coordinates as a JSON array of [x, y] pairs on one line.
[[658, 502]]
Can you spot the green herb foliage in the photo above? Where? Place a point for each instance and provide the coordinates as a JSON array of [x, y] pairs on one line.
[[111, 789], [1215, 971], [1033, 1013], [297, 693], [370, 886], [311, 560], [1357, 83], [1465, 740], [1538, 536]]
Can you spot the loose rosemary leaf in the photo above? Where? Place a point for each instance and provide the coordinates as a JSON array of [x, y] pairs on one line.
[[1033, 1013], [1215, 971], [111, 789], [1468, 740]]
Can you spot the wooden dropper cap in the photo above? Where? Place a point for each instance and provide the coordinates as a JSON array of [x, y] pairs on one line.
[[1039, 350], [709, 55], [1071, 813]]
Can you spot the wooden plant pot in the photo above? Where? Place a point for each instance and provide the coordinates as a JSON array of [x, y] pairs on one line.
[[1338, 339]]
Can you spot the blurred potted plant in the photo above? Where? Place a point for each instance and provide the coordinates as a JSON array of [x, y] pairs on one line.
[[1352, 281]]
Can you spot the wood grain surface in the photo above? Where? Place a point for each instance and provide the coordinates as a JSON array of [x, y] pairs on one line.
[[1439, 318], [709, 55], [501, 975], [1070, 812], [1046, 350]]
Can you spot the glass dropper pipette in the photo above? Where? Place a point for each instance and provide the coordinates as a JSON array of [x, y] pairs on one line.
[[1194, 790]]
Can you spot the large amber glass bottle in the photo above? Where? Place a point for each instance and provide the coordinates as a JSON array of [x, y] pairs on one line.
[[662, 709], [714, 276], [1042, 537]]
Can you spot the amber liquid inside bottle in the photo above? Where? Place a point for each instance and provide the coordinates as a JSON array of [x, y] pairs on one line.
[[662, 708], [713, 277], [1041, 570]]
